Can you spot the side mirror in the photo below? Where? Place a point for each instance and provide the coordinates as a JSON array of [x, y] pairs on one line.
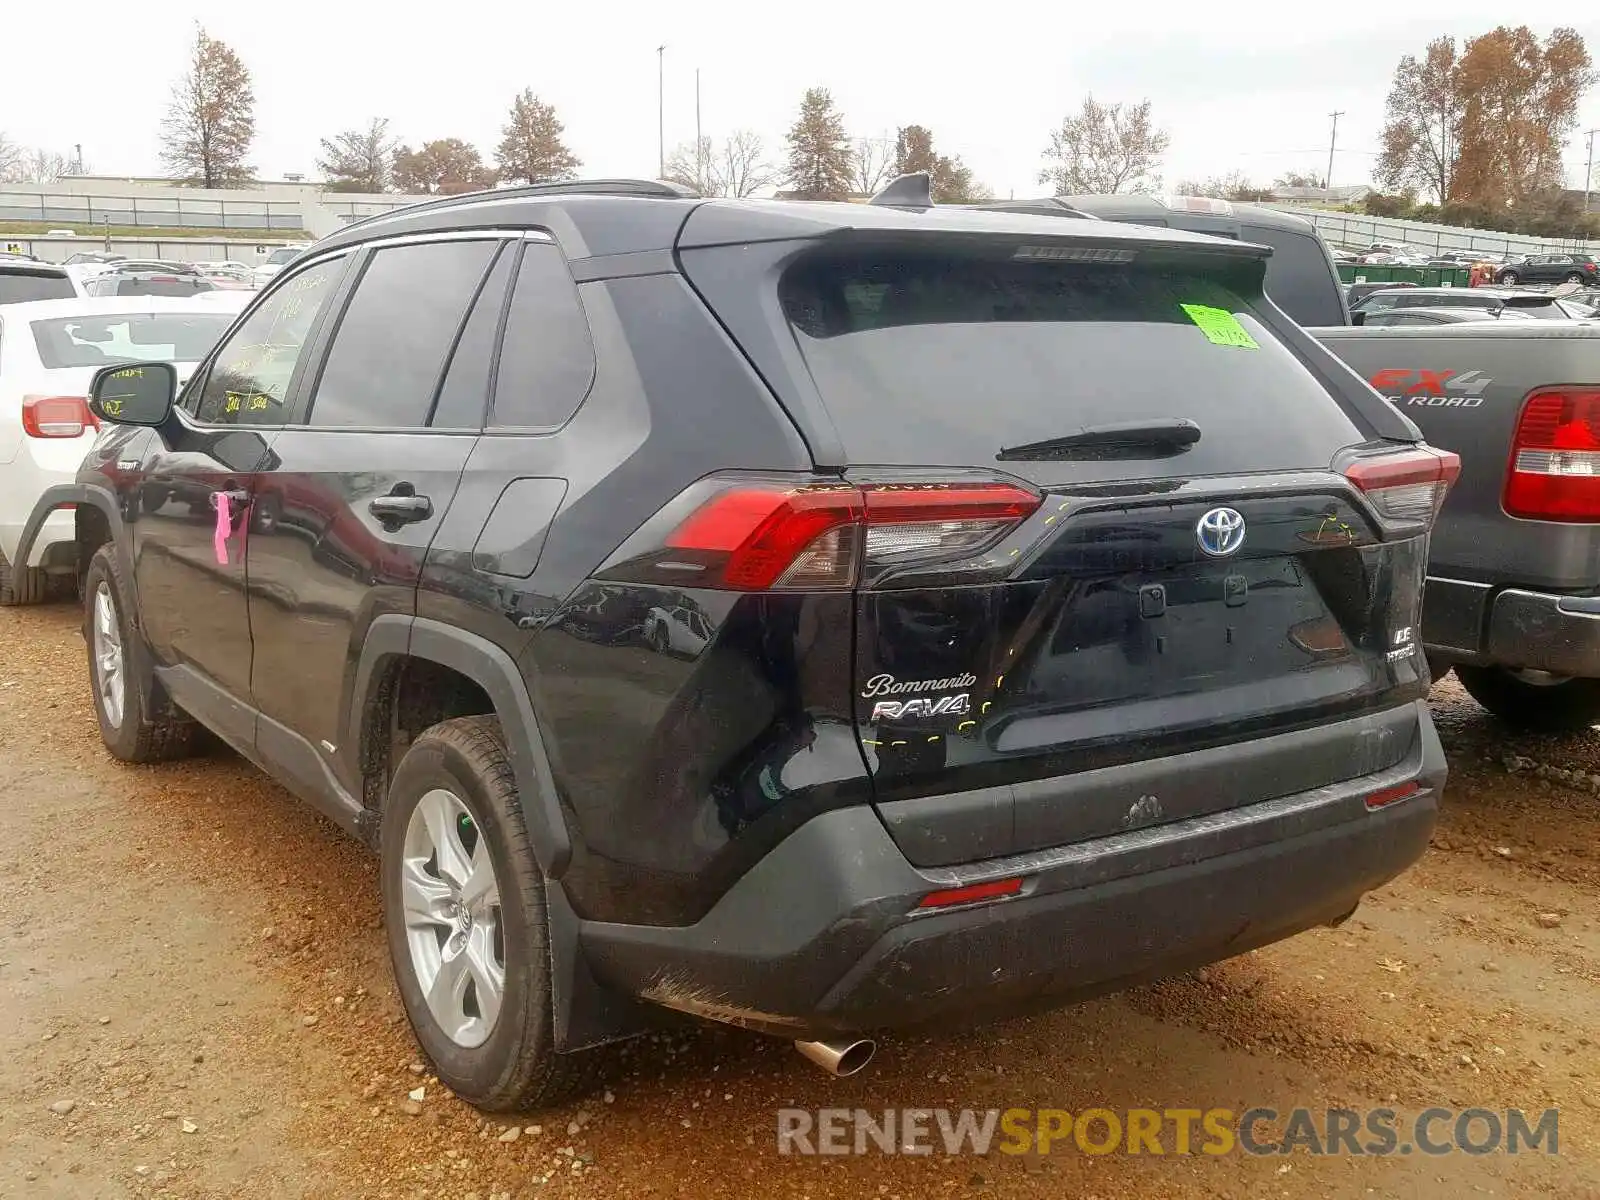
[[140, 394], [1358, 318]]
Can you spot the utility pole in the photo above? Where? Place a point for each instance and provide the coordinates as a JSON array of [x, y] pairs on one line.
[[1588, 170], [661, 107], [699, 146], [1333, 140]]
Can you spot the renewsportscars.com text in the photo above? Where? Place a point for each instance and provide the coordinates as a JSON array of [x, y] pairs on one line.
[[1260, 1131]]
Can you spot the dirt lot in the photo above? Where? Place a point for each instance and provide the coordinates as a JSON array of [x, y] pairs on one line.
[[190, 962]]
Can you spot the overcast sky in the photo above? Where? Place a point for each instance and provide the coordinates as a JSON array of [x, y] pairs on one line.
[[1246, 85]]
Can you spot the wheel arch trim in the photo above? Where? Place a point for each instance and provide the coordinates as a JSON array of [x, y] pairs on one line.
[[393, 636]]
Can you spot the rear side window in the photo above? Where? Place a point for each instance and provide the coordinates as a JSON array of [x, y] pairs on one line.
[[18, 287], [391, 343], [929, 359], [547, 358]]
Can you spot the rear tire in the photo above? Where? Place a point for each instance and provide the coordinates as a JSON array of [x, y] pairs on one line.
[[129, 732], [1574, 278], [455, 785], [22, 585], [1560, 707]]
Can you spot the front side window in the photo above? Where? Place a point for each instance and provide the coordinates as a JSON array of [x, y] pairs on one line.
[[390, 347], [248, 382]]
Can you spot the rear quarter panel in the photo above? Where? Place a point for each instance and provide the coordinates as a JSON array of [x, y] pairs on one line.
[[1465, 389]]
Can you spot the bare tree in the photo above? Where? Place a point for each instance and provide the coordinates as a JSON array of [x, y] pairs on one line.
[[210, 124], [1105, 148], [11, 159], [691, 166], [359, 160], [871, 165], [532, 150], [738, 168], [742, 168]]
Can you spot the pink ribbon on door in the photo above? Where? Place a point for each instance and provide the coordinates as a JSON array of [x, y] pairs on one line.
[[219, 538]]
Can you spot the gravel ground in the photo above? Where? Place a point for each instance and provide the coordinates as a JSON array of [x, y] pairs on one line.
[[195, 1002]]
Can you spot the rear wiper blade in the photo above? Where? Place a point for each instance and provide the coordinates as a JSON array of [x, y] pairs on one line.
[[1114, 439]]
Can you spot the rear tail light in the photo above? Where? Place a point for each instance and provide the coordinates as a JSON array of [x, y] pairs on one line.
[[760, 535], [56, 416], [1408, 487], [976, 893], [1392, 795], [1555, 457]]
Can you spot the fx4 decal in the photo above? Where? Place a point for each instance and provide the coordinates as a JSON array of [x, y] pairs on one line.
[[1419, 388]]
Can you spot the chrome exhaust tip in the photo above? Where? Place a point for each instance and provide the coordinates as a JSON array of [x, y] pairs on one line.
[[839, 1056]]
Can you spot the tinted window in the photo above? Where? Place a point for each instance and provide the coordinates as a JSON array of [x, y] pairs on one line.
[[465, 395], [1379, 301], [546, 359], [18, 287], [94, 341], [940, 360], [249, 378], [390, 346]]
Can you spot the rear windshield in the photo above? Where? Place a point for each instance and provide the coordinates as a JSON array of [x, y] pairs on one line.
[[939, 360], [127, 337], [18, 287]]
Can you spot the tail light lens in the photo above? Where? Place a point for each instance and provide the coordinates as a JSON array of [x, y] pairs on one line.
[[1555, 457], [56, 416], [1407, 488], [759, 535]]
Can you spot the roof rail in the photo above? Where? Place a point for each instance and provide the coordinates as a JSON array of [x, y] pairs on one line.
[[658, 189]]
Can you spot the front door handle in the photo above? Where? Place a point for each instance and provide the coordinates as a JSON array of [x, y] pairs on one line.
[[237, 497], [400, 510]]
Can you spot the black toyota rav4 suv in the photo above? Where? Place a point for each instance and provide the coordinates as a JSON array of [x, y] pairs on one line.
[[813, 617]]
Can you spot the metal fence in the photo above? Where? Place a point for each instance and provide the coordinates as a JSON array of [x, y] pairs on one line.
[[1350, 229], [84, 213], [58, 250]]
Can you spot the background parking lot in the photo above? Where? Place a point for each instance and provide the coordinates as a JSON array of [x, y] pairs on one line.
[[198, 1003]]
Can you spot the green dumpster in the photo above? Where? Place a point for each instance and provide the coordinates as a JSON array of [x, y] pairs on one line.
[[1389, 273]]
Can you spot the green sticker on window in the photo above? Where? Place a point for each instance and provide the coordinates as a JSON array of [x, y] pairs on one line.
[[1220, 326]]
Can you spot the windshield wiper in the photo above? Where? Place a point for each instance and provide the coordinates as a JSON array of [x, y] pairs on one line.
[[1114, 439]]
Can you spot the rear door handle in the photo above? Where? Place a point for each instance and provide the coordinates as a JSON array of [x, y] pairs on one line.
[[401, 510]]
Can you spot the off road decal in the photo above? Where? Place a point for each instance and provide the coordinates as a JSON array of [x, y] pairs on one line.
[[1418, 388]]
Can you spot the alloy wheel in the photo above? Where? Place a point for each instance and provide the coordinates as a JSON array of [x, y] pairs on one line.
[[452, 914], [109, 674]]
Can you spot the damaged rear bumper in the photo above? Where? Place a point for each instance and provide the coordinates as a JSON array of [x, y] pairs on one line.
[[824, 936]]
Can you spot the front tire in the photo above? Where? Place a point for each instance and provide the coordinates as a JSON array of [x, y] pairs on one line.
[[1510, 279], [1518, 699], [464, 907], [128, 730]]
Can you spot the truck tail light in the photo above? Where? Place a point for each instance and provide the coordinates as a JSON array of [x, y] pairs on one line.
[[1408, 487], [56, 416], [759, 535], [1554, 473]]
